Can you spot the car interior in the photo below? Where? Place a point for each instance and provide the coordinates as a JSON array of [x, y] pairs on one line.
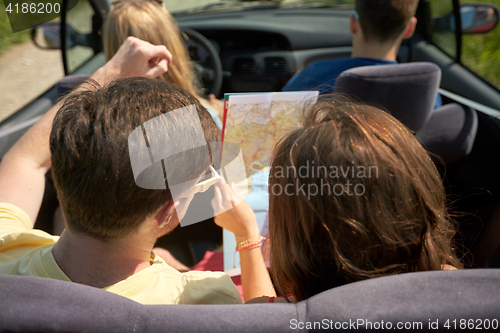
[[258, 48], [442, 301]]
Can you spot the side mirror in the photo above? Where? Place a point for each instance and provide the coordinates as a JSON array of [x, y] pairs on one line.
[[478, 18], [48, 36]]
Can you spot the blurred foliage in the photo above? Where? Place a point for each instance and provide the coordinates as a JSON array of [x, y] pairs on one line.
[[481, 52], [335, 2], [7, 38], [446, 40]]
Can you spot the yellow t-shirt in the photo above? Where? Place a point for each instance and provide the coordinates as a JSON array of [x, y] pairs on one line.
[[24, 251]]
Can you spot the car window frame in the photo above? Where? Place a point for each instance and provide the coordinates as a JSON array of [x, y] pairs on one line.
[[458, 43], [100, 8], [459, 40]]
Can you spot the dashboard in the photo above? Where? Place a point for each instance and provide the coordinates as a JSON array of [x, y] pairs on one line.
[[261, 50]]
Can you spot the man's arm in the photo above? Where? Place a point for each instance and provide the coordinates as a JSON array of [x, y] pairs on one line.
[[23, 168]]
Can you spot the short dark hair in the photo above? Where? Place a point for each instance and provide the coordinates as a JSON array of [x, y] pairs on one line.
[[384, 20], [91, 163]]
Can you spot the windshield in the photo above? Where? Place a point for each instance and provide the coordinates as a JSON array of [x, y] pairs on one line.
[[191, 6]]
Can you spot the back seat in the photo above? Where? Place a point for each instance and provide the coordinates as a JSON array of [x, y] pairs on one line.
[[416, 300]]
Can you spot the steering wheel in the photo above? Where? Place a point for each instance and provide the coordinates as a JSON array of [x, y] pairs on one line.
[[208, 74]]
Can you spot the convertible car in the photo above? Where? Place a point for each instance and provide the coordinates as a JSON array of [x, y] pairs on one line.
[[257, 46]]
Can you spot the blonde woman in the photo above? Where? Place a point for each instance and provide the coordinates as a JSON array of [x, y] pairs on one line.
[[150, 21]]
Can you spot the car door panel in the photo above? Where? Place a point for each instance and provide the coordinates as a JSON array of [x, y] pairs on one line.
[[13, 128], [21, 119], [455, 77]]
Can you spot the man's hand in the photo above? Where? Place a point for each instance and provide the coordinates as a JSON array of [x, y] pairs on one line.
[[135, 57], [23, 168]]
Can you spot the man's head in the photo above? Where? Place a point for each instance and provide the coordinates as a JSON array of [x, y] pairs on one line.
[[91, 163], [385, 21]]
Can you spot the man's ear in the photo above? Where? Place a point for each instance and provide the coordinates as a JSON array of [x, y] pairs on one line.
[[353, 25], [410, 28], [165, 214]]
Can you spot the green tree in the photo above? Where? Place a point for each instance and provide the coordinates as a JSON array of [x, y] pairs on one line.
[[482, 52]]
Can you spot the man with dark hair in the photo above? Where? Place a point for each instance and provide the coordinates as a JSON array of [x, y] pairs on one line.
[[378, 28], [385, 21], [116, 195]]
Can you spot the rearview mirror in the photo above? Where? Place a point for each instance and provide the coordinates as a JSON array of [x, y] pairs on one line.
[[48, 36], [478, 18]]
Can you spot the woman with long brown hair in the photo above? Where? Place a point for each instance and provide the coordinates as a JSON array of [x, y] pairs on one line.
[[150, 21], [352, 195]]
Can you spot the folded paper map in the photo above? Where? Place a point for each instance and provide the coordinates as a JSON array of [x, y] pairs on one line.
[[254, 123]]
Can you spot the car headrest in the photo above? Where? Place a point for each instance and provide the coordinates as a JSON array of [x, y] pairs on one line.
[[68, 83], [450, 133], [30, 304], [407, 91]]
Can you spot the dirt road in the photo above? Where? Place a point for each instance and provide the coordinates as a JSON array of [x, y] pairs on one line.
[[25, 72]]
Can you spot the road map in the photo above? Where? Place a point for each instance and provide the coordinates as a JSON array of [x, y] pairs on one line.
[[253, 124]]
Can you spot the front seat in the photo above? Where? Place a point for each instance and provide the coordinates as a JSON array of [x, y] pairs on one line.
[[408, 92]]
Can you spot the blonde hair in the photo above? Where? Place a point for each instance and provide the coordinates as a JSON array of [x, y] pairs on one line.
[[149, 21]]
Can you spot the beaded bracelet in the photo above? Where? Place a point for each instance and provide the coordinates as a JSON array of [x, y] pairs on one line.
[[241, 244], [248, 241], [246, 245]]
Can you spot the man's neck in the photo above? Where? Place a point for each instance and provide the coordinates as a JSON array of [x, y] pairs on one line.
[[375, 51], [97, 263]]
